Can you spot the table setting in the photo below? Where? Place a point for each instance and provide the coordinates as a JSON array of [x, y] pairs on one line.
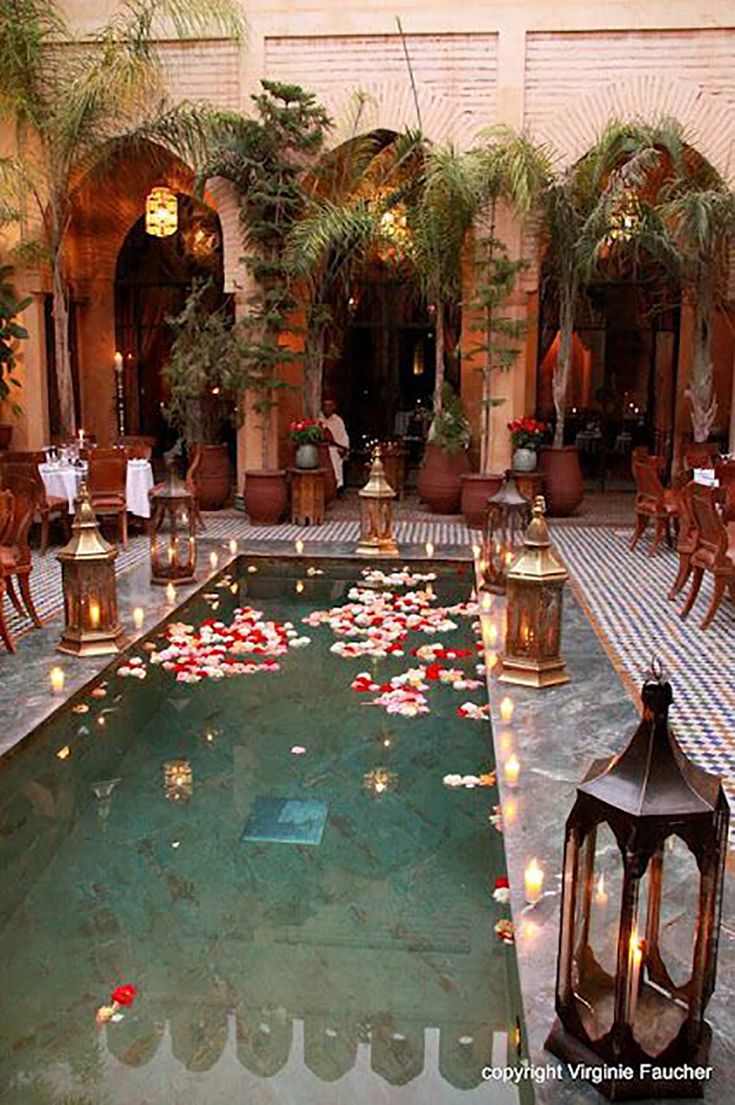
[[63, 472]]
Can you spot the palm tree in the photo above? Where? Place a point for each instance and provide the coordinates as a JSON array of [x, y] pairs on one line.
[[352, 197], [680, 220], [75, 102], [442, 212], [590, 215], [508, 167]]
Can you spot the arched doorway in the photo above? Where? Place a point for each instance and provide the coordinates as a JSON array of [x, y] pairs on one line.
[[153, 278]]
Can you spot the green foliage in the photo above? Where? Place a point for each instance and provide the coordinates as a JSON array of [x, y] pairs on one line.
[[498, 274], [450, 428], [11, 332]]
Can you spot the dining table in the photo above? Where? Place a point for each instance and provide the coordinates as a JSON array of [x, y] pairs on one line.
[[63, 479]]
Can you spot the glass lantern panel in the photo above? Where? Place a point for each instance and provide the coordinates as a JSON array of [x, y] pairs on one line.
[[597, 916], [677, 932]]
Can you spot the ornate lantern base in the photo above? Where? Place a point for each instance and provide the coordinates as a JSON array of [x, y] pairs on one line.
[[533, 673], [377, 546], [642, 1084], [93, 642]]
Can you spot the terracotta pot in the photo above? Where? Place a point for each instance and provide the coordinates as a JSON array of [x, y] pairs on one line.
[[330, 480], [266, 496], [477, 487], [6, 433], [212, 476], [562, 480], [441, 487]]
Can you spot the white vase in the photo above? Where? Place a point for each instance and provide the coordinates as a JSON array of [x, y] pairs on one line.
[[524, 460], [307, 455]]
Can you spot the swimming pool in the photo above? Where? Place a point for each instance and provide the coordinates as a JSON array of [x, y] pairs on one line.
[[276, 863]]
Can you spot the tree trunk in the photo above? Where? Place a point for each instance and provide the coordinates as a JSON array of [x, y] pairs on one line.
[[266, 419], [487, 372], [703, 401], [313, 371], [439, 357], [563, 368], [64, 381]]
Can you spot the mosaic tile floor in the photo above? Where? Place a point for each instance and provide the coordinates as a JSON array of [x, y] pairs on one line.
[[624, 594]]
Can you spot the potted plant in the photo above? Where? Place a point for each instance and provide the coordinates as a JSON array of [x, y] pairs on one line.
[[11, 332], [307, 435], [445, 459], [526, 437]]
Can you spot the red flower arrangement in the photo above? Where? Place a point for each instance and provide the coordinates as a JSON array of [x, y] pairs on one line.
[[307, 431], [122, 997], [527, 433]]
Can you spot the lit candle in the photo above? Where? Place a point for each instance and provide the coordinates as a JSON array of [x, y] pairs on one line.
[[486, 603], [636, 960], [138, 617], [81, 438], [299, 546], [492, 634], [299, 586], [56, 677], [601, 893], [512, 770], [64, 753], [170, 594], [233, 546], [213, 560], [476, 551], [510, 811], [509, 558], [118, 359], [429, 549], [94, 614], [533, 881], [506, 708], [505, 740]]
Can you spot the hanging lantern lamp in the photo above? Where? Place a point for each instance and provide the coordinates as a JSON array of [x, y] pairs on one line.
[[161, 213]]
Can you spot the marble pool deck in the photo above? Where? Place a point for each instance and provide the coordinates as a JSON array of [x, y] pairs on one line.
[[555, 734]]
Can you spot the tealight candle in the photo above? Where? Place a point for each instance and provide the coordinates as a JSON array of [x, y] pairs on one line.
[[213, 560], [233, 546], [512, 770], [94, 615], [533, 881], [138, 617], [299, 546], [506, 708], [429, 548], [56, 677], [170, 594]]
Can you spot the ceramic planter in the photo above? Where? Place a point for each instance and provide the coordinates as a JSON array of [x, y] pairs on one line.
[[266, 496], [562, 480], [307, 455], [524, 460], [440, 485]]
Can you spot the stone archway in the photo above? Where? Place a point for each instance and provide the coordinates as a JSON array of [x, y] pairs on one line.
[[709, 123]]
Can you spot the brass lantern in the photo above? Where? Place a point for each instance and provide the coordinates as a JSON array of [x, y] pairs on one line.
[[173, 532], [506, 517], [535, 588], [161, 212], [376, 513], [88, 583], [637, 964]]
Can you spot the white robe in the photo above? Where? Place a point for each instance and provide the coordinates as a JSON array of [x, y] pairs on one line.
[[337, 428]]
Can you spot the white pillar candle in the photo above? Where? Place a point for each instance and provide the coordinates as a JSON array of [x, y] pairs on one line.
[[138, 617], [533, 881], [512, 770], [299, 546], [56, 678], [94, 614], [506, 708]]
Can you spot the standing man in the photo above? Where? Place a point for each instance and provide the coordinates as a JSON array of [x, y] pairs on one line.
[[339, 442]]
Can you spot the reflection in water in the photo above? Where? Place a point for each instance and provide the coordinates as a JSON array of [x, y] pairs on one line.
[[367, 961]]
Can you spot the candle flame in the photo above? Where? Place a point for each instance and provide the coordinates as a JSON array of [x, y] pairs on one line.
[[506, 708]]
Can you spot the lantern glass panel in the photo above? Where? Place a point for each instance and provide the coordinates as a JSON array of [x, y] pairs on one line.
[[607, 889], [593, 985], [679, 910]]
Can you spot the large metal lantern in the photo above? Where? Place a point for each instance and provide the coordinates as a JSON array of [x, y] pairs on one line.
[[173, 532], [534, 589], [376, 513], [88, 584], [630, 994], [506, 517]]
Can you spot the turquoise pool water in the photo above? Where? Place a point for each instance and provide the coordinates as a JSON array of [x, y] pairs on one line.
[[297, 935]]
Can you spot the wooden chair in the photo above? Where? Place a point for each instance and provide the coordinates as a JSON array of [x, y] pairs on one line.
[[48, 506], [6, 521], [687, 539], [106, 482], [15, 552], [653, 500], [715, 551], [725, 476], [701, 454]]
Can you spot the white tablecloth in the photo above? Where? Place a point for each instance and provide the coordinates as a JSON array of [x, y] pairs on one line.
[[63, 481]]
